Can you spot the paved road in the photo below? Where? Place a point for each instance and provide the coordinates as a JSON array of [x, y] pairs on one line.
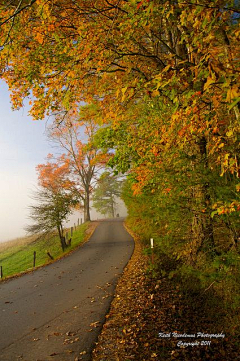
[[56, 312]]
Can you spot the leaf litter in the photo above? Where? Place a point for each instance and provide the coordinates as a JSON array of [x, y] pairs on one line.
[[145, 307]]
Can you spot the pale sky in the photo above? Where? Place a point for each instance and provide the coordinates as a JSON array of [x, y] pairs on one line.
[[23, 145]]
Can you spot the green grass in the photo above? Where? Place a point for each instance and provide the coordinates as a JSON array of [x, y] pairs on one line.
[[17, 256]]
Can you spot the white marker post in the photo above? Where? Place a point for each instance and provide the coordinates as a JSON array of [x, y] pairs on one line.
[[151, 241]]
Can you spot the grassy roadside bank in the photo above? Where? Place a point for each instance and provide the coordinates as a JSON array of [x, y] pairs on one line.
[[17, 256], [152, 318]]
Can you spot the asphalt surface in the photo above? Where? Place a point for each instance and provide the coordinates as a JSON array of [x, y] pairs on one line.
[[56, 312]]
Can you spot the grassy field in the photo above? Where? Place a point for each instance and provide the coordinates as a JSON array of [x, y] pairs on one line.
[[17, 256]]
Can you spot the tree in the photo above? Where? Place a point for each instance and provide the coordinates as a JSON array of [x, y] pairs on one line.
[[81, 157], [55, 199], [106, 193]]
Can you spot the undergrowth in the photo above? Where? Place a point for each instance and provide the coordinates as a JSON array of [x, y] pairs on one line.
[[210, 285]]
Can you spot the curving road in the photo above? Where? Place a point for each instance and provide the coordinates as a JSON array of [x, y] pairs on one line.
[[56, 312]]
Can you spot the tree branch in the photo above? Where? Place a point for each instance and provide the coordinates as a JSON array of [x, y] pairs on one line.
[[18, 11]]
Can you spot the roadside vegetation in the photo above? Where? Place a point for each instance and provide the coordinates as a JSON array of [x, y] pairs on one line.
[[178, 257], [17, 256]]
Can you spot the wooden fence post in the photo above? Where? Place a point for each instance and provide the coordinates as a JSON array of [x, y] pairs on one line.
[[71, 231], [34, 259], [1, 272]]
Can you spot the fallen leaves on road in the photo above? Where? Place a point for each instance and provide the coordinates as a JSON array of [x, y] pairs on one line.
[[53, 354], [57, 334], [70, 333], [95, 324], [69, 341]]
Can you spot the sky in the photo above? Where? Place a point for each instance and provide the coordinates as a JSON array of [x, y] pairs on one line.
[[23, 145]]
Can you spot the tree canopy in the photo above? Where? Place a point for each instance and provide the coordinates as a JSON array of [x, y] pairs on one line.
[[184, 54]]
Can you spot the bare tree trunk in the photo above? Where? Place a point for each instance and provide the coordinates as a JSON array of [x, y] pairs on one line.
[[87, 207], [61, 237]]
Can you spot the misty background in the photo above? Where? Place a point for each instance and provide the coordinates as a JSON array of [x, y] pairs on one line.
[[23, 145]]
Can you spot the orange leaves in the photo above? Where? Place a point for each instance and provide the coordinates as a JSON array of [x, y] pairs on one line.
[[221, 208], [102, 158], [167, 190], [142, 175], [54, 175], [40, 38]]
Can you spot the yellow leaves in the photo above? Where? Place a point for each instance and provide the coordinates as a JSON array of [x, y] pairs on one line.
[[123, 90], [232, 93], [161, 83], [229, 134], [210, 37], [226, 159], [216, 101], [197, 23], [228, 163], [155, 150], [170, 12], [175, 116], [210, 80], [166, 69]]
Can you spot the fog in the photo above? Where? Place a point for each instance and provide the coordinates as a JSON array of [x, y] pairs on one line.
[[23, 145]]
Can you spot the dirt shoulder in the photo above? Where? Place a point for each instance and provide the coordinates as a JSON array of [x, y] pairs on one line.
[[150, 319]]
